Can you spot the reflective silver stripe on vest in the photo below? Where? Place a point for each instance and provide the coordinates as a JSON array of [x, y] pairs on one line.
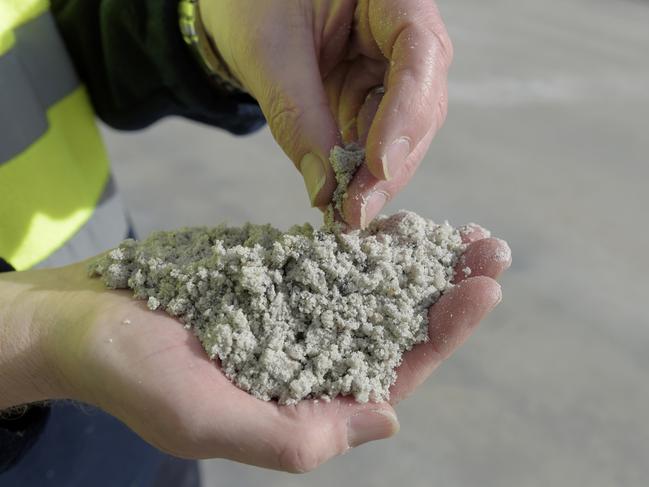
[[106, 229], [35, 73]]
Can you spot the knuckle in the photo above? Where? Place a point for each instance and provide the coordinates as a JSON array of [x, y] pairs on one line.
[[440, 32], [284, 120], [447, 49], [443, 46], [435, 31], [283, 115], [439, 348], [293, 120]]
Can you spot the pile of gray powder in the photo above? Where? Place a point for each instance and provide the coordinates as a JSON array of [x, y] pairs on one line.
[[299, 314]]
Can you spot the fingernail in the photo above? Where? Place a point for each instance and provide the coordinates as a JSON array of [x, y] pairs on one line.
[[370, 426], [314, 174], [395, 156], [372, 206]]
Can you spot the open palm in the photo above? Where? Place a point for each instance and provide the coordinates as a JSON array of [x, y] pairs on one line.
[[150, 372]]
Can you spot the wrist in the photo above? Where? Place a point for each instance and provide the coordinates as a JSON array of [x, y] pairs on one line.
[[26, 374], [197, 36]]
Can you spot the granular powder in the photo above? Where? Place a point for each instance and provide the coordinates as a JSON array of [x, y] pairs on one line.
[[344, 161], [300, 314]]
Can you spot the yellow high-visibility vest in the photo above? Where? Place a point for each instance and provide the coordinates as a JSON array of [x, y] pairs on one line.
[[54, 171]]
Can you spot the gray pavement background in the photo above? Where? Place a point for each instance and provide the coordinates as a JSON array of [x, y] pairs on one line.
[[546, 144]]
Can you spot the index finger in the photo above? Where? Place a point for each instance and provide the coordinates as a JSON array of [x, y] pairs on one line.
[[411, 36]]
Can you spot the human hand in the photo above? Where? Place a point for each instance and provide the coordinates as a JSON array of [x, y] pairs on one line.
[[107, 349], [455, 316], [314, 67]]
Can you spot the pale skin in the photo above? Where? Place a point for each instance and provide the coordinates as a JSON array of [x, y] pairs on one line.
[[314, 67]]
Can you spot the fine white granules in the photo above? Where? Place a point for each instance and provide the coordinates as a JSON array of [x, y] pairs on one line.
[[299, 314]]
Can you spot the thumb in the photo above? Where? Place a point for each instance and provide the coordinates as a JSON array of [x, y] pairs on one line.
[[290, 91], [302, 437]]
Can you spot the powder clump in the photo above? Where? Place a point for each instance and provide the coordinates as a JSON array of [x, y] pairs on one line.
[[307, 313], [344, 161], [299, 314]]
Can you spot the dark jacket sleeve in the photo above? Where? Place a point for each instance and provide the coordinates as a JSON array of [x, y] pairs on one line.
[[19, 431], [131, 56]]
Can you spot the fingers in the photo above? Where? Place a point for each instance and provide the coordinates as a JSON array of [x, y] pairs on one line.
[[363, 75], [472, 232], [451, 321], [367, 113], [289, 88], [414, 40], [367, 195], [301, 437], [483, 257], [454, 317]]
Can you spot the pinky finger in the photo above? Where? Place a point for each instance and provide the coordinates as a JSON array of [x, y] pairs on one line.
[[485, 257], [451, 321]]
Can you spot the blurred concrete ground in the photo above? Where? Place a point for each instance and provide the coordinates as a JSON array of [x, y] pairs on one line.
[[546, 144]]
